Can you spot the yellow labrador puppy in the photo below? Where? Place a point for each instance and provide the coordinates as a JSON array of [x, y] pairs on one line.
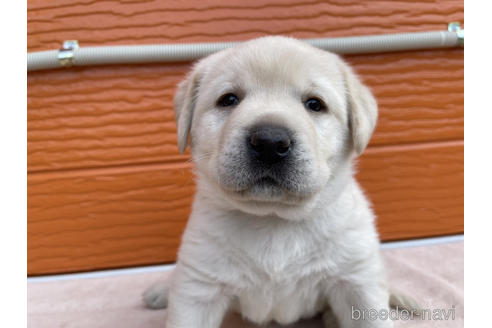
[[280, 230]]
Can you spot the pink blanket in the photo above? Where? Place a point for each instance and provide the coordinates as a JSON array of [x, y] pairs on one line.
[[431, 274]]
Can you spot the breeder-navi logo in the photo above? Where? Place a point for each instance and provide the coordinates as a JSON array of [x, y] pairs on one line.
[[403, 314]]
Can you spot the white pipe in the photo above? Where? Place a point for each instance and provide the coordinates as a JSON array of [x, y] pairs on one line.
[[87, 56]]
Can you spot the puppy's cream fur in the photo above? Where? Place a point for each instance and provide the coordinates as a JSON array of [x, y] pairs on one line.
[[275, 253]]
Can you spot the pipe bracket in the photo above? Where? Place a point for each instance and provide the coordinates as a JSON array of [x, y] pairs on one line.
[[65, 54], [456, 27]]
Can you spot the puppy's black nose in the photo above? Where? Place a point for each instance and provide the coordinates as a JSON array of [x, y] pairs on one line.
[[269, 144]]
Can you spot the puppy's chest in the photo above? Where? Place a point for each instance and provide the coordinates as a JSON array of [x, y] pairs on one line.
[[277, 263], [273, 272], [277, 259], [281, 299], [279, 277]]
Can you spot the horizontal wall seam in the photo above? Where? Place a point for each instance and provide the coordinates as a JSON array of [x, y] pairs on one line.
[[181, 164]]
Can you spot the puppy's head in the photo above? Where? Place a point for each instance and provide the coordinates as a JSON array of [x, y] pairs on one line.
[[272, 123]]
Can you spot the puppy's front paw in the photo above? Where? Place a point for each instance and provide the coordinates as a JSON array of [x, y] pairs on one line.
[[155, 297]]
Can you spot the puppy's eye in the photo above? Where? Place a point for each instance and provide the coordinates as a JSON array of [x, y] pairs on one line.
[[314, 104], [228, 100]]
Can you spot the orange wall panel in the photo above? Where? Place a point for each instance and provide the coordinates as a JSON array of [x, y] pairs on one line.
[[107, 187], [108, 218], [417, 190], [143, 22], [90, 117]]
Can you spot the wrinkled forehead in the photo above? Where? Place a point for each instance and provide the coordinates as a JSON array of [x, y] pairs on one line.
[[258, 66]]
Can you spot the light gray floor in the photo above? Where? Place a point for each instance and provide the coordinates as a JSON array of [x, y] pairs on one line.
[[430, 272]]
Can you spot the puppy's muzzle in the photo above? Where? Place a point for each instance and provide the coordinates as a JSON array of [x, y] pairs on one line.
[[269, 144]]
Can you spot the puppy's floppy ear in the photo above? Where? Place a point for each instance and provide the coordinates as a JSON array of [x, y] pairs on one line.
[[363, 109], [184, 105]]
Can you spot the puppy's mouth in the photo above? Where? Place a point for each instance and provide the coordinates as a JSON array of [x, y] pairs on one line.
[[266, 189], [266, 182], [247, 180]]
